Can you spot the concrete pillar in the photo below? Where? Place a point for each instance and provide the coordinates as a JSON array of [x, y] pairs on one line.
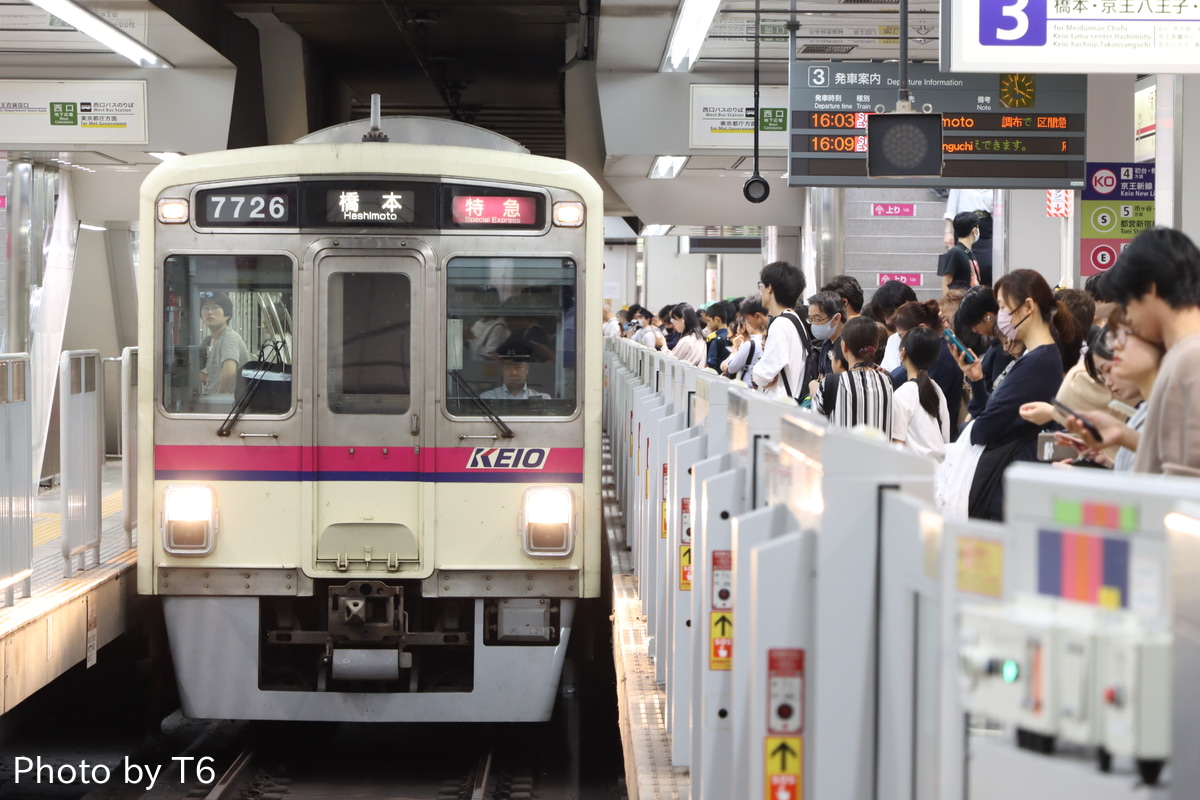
[[824, 250], [1177, 201], [283, 73]]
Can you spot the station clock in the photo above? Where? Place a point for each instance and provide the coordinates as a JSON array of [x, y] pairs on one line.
[[1017, 90]]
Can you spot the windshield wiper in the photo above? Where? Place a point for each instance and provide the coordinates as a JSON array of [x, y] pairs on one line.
[[243, 402], [505, 431]]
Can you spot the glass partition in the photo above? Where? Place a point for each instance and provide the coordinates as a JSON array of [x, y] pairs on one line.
[[220, 313], [518, 335]]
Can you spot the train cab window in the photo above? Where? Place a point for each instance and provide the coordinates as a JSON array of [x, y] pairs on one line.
[[517, 317], [227, 331], [369, 350]]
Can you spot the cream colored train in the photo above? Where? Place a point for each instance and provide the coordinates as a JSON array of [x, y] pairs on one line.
[[369, 423]]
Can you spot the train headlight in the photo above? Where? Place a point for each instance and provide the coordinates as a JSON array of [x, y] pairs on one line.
[[548, 521], [568, 215], [189, 520], [172, 210]]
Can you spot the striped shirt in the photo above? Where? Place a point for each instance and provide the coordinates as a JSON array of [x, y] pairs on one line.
[[864, 397]]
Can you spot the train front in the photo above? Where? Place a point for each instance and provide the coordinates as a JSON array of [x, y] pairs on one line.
[[365, 403]]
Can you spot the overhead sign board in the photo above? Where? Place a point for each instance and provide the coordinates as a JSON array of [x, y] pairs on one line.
[[723, 116], [1117, 204], [1070, 36], [73, 112], [1012, 130]]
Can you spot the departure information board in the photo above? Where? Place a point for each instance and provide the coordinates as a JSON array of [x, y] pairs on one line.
[[1019, 131]]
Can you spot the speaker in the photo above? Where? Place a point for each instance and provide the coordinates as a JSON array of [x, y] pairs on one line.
[[904, 145]]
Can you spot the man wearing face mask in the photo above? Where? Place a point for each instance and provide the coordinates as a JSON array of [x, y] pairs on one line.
[[827, 316], [958, 265]]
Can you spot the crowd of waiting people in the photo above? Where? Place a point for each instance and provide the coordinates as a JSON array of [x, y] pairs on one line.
[[1102, 377]]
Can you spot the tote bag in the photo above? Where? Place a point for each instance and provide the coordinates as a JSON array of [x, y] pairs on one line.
[[952, 482]]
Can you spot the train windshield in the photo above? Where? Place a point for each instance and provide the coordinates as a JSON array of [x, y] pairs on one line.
[[227, 324], [517, 317]]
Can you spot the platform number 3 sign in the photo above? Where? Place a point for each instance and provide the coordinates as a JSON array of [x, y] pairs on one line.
[[1017, 23]]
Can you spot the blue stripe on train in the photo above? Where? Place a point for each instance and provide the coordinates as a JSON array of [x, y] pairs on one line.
[[481, 476]]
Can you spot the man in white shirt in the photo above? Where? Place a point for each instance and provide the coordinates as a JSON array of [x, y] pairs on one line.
[[780, 371], [611, 326], [516, 356]]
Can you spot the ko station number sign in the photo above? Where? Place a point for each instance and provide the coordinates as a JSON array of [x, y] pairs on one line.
[[1011, 130]]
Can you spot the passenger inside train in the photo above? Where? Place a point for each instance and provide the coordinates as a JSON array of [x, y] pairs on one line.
[[223, 350]]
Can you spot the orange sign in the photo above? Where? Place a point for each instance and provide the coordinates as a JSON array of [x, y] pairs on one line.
[[721, 651], [685, 568], [784, 767]]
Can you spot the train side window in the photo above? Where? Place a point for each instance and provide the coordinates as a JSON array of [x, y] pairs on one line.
[[224, 315], [519, 334], [369, 356]]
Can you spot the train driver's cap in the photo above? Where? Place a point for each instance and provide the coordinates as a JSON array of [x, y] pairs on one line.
[[515, 350]]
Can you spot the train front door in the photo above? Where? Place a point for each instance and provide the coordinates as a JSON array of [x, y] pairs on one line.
[[369, 412]]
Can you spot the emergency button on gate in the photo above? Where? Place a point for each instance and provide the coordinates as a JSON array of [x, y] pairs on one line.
[[785, 691]]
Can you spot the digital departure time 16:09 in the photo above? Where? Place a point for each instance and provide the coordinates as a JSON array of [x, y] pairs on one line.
[[836, 144]]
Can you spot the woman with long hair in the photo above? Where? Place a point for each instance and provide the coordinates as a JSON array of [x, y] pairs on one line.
[[690, 346], [864, 392], [920, 418], [944, 370], [1029, 314]]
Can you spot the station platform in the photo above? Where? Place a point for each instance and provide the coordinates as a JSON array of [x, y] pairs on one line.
[[67, 620], [643, 703]]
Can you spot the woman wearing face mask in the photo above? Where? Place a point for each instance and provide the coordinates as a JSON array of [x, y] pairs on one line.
[[1030, 314], [647, 332]]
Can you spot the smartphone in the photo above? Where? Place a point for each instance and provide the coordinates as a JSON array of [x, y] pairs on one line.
[[949, 336], [1087, 425], [1048, 449]]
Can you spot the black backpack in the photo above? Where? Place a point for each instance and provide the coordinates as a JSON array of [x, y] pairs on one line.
[[806, 343]]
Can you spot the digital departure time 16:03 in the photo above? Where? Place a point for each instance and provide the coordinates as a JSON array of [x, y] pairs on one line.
[[847, 119]]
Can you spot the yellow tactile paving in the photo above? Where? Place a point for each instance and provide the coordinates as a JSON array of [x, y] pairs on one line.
[[47, 526]]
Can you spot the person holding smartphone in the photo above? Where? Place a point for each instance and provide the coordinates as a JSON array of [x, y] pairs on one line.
[[1028, 313], [1156, 279]]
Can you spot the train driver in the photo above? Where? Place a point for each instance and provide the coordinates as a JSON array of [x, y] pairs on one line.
[[515, 355], [223, 348]]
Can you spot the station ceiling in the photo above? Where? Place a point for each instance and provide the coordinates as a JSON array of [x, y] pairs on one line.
[[501, 64]]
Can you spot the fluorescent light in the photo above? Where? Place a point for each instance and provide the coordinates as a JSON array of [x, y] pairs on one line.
[[691, 28], [165, 156], [655, 230], [667, 166], [87, 227], [111, 37]]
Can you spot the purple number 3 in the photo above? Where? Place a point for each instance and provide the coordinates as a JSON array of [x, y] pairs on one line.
[[1012, 22]]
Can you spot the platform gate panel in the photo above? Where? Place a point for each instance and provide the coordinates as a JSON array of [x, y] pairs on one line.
[[16, 477], [81, 410]]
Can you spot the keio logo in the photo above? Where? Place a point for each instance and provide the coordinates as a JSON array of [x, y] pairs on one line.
[[508, 457]]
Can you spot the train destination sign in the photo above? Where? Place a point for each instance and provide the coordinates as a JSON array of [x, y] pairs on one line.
[[1001, 131], [369, 204], [377, 203], [1070, 36]]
